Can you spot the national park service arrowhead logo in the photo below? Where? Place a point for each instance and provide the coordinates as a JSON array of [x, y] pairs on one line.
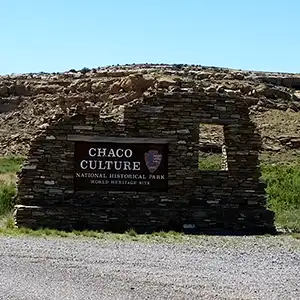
[[153, 160]]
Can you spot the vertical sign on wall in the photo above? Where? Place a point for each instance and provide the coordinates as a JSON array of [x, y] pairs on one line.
[[121, 166]]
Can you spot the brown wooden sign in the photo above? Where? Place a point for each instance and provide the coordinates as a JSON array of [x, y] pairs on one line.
[[121, 166]]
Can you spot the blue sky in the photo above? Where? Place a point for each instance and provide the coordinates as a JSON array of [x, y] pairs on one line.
[[58, 35]]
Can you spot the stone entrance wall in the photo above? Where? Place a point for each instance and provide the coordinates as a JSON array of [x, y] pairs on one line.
[[232, 199]]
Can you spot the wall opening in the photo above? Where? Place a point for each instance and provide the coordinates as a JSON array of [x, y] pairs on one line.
[[212, 148]]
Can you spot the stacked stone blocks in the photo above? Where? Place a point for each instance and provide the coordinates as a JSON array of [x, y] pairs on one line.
[[229, 200]]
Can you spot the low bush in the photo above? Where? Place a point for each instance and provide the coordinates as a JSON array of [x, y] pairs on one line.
[[283, 186], [7, 193], [283, 192]]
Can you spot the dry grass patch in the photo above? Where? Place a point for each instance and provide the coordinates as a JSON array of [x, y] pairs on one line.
[[9, 177], [275, 123]]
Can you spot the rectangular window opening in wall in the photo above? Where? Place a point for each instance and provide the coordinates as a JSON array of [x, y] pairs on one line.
[[212, 148]]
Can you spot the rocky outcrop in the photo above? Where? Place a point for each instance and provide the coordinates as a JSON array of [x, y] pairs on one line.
[[27, 101]]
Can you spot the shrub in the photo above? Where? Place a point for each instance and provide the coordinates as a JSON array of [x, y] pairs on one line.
[[283, 186], [7, 193], [85, 70]]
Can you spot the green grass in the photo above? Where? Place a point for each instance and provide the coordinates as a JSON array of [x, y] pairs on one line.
[[130, 235], [7, 221], [131, 232], [283, 192], [289, 220], [7, 193], [283, 186], [10, 164], [211, 162]]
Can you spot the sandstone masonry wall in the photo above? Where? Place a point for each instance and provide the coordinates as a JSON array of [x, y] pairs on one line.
[[196, 201]]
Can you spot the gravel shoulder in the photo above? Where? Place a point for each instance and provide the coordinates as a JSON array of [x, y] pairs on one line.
[[205, 267]]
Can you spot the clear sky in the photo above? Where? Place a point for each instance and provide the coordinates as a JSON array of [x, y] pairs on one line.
[[59, 35]]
